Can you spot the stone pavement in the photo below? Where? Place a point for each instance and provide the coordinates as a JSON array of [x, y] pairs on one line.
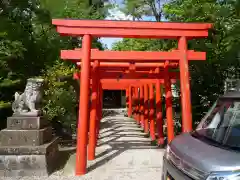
[[123, 153]]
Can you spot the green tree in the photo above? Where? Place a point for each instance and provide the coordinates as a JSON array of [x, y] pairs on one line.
[[61, 92], [140, 8], [30, 46], [20, 41], [207, 78], [60, 102]]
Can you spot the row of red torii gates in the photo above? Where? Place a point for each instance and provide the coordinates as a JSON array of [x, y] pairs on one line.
[[134, 71]]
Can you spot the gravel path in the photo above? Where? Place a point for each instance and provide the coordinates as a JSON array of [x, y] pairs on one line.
[[123, 153]]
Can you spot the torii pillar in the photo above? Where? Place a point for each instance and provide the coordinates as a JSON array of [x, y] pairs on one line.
[[137, 116], [130, 101], [94, 112], [146, 110], [185, 86], [127, 99], [141, 110], [151, 112], [81, 164], [168, 97], [100, 104], [159, 114]]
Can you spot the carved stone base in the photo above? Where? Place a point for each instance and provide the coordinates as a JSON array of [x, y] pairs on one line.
[[25, 137], [26, 123], [27, 147], [29, 161], [28, 114]]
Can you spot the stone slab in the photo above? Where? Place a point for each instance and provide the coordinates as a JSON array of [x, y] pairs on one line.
[[30, 150], [25, 137], [28, 114], [25, 123], [30, 165]]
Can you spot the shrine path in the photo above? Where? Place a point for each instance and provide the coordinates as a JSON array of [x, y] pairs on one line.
[[123, 153]]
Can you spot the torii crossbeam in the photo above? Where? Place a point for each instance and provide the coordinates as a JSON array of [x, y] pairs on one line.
[[132, 56]]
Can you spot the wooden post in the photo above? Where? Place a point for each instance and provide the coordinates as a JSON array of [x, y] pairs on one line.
[[130, 102], [159, 119], [146, 110], [127, 100], [93, 113], [100, 103], [134, 103], [137, 117], [185, 86], [142, 106], [151, 112], [169, 111], [82, 134], [159, 114]]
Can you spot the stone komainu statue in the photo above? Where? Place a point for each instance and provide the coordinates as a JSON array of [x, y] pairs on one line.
[[29, 100]]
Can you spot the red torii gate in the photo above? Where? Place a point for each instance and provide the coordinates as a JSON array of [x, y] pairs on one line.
[[124, 82], [149, 56], [132, 68], [93, 28], [139, 113], [122, 56]]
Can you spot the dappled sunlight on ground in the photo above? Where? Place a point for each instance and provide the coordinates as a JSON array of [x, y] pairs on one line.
[[123, 152]]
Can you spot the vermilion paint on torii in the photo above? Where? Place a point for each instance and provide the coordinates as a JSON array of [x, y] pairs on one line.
[[138, 116], [138, 75], [122, 84], [96, 28], [132, 66], [134, 56], [129, 29], [108, 83]]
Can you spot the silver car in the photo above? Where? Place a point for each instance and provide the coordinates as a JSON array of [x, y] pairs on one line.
[[212, 151]]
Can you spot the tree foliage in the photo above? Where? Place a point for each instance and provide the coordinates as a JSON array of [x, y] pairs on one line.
[[61, 96], [207, 78], [144, 8], [144, 45], [30, 46], [23, 44]]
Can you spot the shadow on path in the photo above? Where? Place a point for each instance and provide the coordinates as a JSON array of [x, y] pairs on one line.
[[117, 135]]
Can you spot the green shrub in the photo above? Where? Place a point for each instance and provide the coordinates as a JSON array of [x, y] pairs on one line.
[[60, 100]]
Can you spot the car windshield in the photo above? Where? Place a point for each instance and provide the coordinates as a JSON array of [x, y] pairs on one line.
[[221, 125]]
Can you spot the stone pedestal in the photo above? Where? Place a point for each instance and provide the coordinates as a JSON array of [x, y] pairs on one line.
[[27, 147]]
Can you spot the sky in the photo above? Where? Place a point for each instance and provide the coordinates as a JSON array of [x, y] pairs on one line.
[[116, 14]]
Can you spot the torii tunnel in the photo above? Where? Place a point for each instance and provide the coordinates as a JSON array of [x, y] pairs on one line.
[[138, 73]]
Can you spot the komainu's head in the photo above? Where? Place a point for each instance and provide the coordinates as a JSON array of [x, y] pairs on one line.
[[35, 83]]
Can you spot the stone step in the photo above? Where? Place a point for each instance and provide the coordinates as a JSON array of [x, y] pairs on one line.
[[38, 161], [30, 150], [25, 137]]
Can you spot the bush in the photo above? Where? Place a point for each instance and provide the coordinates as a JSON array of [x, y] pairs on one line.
[[60, 100]]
